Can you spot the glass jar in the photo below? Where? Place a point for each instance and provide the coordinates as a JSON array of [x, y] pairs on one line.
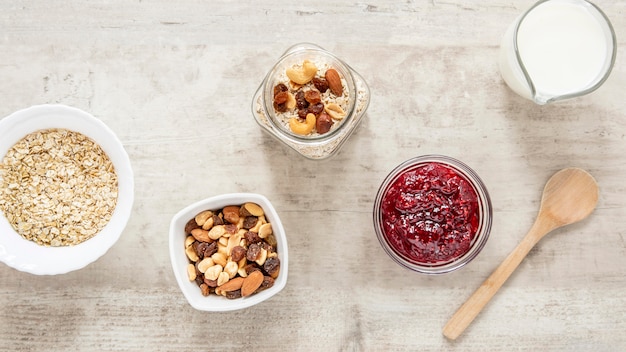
[[355, 100], [432, 214]]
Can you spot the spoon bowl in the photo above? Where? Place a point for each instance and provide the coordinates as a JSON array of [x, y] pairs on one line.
[[569, 196]]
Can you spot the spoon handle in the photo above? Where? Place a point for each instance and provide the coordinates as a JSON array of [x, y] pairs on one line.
[[470, 309]]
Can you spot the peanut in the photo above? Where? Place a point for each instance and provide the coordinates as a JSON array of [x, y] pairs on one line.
[[209, 223], [231, 269], [226, 250], [191, 272], [191, 254], [222, 278], [213, 272], [219, 258], [203, 217], [335, 111], [216, 232], [205, 264], [189, 241], [251, 209]]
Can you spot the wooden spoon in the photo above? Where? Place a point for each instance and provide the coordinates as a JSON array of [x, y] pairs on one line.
[[570, 195]]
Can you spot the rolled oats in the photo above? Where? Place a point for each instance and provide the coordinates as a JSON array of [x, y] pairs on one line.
[[57, 187]]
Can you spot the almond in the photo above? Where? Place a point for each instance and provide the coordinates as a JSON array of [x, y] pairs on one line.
[[232, 285], [251, 283], [201, 235], [231, 214], [334, 81]]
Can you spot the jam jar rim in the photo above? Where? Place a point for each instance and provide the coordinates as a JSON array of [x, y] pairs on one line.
[[485, 212]]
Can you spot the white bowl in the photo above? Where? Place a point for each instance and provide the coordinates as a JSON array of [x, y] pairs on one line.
[[28, 256], [190, 289]]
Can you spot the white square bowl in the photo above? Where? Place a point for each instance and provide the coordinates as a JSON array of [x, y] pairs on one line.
[[28, 256], [190, 289]]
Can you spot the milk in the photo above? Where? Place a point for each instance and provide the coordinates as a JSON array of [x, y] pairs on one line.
[[566, 46]]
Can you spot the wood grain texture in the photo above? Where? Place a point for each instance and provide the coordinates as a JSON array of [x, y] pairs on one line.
[[175, 81]]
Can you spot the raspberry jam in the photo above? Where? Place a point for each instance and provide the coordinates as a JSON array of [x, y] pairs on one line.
[[432, 213]]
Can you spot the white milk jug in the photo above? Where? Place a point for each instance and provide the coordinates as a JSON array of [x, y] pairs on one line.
[[558, 49]]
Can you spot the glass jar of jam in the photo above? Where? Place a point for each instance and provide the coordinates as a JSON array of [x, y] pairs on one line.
[[432, 214], [336, 105]]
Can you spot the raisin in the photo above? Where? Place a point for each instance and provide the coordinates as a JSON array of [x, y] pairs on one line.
[[301, 102], [271, 240], [323, 123], [266, 246], [217, 220], [191, 225], [210, 283], [253, 253], [200, 249], [233, 294], [321, 84], [267, 283], [250, 268], [272, 266], [199, 276], [252, 237], [312, 96], [237, 253], [302, 113], [280, 87], [281, 98], [249, 222], [210, 250], [196, 245], [316, 109], [231, 228], [280, 107]]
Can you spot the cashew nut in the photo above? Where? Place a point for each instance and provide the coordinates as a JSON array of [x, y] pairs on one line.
[[304, 74], [265, 230], [262, 257], [302, 128], [335, 111]]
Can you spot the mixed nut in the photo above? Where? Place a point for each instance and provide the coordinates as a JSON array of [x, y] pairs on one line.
[[312, 98], [232, 251]]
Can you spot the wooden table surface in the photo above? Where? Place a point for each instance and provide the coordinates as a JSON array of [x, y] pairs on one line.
[[175, 81]]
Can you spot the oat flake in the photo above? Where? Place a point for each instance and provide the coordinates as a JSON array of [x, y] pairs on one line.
[[57, 187]]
